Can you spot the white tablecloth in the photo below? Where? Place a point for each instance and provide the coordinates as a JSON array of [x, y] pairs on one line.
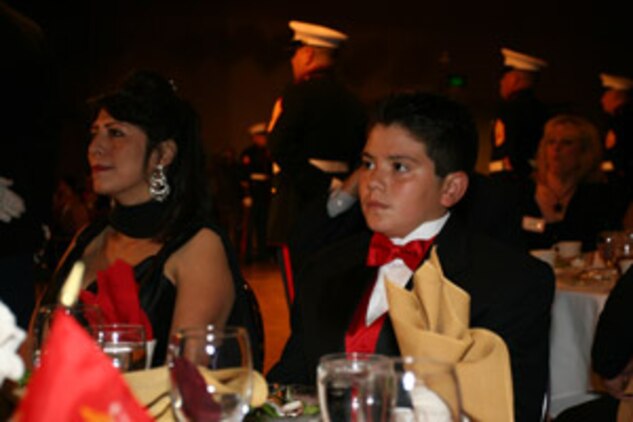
[[574, 317]]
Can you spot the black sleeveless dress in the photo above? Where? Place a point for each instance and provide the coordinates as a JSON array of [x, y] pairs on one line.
[[157, 294]]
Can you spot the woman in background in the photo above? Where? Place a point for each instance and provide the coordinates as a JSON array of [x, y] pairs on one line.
[[568, 200], [146, 156]]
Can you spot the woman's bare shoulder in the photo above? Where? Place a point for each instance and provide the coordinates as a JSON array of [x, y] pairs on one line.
[[203, 241], [204, 249]]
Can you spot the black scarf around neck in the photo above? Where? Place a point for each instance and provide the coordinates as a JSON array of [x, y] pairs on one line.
[[138, 221]]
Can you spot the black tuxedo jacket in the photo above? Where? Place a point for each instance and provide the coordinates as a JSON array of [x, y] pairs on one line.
[[511, 294]]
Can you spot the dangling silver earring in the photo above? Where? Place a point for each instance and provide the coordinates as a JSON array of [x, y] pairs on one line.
[[158, 185]]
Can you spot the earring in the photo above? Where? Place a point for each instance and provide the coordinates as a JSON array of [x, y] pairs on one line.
[[158, 186]]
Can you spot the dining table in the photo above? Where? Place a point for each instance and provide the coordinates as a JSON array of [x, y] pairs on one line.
[[578, 302]]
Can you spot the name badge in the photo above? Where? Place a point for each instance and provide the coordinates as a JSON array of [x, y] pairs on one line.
[[496, 166], [607, 166], [533, 224]]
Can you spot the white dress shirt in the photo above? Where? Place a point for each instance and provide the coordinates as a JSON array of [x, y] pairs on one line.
[[397, 271]]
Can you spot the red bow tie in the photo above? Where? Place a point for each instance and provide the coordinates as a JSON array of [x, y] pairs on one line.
[[382, 251]]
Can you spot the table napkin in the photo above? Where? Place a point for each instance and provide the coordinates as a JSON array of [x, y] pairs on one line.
[[76, 381], [432, 320], [117, 296], [11, 336], [150, 386], [625, 409]]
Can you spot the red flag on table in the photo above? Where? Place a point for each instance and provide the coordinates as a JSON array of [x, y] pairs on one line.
[[77, 382], [117, 296]]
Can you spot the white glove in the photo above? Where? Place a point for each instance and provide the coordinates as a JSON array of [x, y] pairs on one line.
[[11, 204], [11, 336]]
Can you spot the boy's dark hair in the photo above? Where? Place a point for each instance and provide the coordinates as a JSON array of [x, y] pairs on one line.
[[445, 127]]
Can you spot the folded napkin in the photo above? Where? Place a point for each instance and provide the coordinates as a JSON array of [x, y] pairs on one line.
[[150, 387], [433, 321], [117, 296], [625, 409], [11, 336]]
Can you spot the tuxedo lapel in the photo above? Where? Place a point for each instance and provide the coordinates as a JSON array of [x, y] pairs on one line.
[[337, 309], [457, 251], [332, 293], [453, 251]]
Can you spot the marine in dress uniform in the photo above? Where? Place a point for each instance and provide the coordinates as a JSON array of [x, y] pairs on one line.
[[618, 143], [405, 195], [316, 133], [258, 169], [518, 126], [317, 129]]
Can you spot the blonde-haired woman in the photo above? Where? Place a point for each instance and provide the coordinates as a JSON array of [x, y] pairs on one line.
[[568, 201]]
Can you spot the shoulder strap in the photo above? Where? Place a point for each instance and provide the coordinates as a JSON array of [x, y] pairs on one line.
[[170, 246]]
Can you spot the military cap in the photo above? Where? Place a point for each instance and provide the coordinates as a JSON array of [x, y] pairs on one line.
[[316, 35]]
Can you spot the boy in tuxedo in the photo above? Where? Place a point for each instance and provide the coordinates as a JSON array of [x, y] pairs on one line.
[[415, 168]]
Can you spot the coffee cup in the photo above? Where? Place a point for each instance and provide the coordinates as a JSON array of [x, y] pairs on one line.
[[569, 249], [546, 255]]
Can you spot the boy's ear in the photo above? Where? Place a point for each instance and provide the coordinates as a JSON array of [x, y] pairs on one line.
[[454, 187]]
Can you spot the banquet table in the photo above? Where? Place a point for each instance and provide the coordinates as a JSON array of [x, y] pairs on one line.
[[575, 313]]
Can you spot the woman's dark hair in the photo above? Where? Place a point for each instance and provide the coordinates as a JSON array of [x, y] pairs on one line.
[[445, 127], [148, 100]]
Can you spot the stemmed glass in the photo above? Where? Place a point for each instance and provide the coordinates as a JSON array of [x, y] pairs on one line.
[[355, 387], [608, 247], [211, 373], [427, 391], [88, 316]]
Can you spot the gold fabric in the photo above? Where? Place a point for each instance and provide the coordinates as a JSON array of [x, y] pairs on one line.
[[150, 387], [433, 320], [625, 409]]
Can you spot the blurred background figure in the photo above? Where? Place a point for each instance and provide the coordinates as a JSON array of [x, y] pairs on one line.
[[567, 199], [29, 139], [226, 190], [98, 205], [316, 131], [257, 169], [618, 142], [518, 126], [70, 214]]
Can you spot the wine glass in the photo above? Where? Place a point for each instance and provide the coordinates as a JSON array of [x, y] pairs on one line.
[[355, 387], [626, 257], [88, 316], [211, 373], [427, 391], [124, 344], [608, 247]]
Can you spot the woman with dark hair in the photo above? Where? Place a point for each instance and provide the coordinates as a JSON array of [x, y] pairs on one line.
[[146, 156]]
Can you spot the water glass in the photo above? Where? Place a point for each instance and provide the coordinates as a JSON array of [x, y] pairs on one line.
[[569, 249], [211, 373], [609, 247], [355, 387], [88, 316], [427, 391], [124, 344]]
